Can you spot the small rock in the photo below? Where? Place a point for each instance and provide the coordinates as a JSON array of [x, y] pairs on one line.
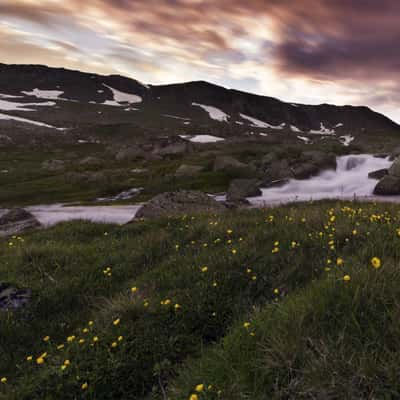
[[53, 165], [378, 174], [17, 221], [12, 298], [394, 170]]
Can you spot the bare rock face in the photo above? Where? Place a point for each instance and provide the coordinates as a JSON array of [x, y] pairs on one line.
[[17, 221], [179, 203], [378, 174], [12, 298], [389, 185]]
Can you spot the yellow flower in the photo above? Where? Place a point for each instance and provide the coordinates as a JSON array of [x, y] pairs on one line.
[[354, 232], [95, 339], [199, 388], [246, 325], [229, 231], [376, 262], [194, 397], [46, 338], [90, 323], [215, 284], [85, 330], [3, 380], [29, 358], [204, 269], [177, 306], [234, 251], [40, 360], [114, 344], [254, 278], [120, 338], [134, 289], [67, 362], [60, 346], [84, 386], [276, 291], [71, 338], [339, 261], [116, 321], [81, 341], [346, 278], [63, 367]]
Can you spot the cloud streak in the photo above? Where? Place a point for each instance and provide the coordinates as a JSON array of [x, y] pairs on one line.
[[312, 51]]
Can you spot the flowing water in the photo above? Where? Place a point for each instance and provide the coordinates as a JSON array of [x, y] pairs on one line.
[[350, 180]]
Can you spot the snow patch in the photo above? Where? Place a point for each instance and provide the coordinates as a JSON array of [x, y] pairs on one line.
[[175, 117], [304, 139], [346, 140], [322, 131], [121, 97], [12, 106], [28, 121], [295, 129], [338, 125], [202, 138], [9, 96], [256, 123], [213, 112], [45, 94]]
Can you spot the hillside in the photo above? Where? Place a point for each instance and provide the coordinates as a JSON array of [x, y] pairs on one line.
[[39, 99], [297, 302]]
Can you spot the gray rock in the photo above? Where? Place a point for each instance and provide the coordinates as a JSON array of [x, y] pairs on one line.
[[279, 170], [378, 174], [188, 170], [179, 203], [320, 158], [270, 158], [395, 153], [91, 161], [53, 165], [174, 149], [395, 167], [240, 189], [389, 185], [12, 298], [305, 170], [228, 163], [16, 221], [129, 154]]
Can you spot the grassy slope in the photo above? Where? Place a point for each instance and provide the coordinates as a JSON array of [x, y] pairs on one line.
[[316, 336]]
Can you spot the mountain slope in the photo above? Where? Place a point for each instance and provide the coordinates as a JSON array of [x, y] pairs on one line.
[[39, 99]]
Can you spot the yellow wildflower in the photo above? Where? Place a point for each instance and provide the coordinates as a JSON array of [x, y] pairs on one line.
[[199, 388], [376, 262]]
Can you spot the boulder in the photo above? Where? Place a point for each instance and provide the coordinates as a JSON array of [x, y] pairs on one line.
[[389, 185], [188, 170], [173, 149], [240, 189], [394, 170], [179, 203], [129, 154], [12, 298], [279, 170], [305, 170], [17, 221], [378, 174], [395, 153], [228, 163], [320, 158], [270, 158], [53, 165]]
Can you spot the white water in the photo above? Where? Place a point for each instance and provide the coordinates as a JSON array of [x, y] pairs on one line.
[[55, 213], [348, 181]]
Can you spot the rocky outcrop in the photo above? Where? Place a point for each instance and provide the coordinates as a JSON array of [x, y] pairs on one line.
[[240, 189], [320, 159], [389, 185], [378, 174], [188, 170], [179, 203], [230, 164], [305, 170], [16, 221], [12, 298]]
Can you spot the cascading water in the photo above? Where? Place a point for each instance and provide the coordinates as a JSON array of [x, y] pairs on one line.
[[348, 181]]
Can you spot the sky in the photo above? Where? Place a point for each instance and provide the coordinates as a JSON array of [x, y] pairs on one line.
[[306, 51]]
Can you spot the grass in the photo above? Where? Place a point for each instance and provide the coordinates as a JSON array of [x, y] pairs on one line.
[[250, 304]]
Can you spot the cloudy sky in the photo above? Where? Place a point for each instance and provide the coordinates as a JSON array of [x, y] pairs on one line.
[[312, 51]]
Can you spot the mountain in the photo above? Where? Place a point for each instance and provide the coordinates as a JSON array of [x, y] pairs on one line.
[[38, 103]]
